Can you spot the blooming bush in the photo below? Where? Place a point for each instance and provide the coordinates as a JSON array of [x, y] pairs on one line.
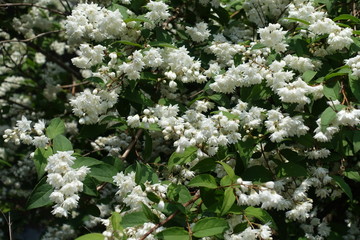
[[142, 119]]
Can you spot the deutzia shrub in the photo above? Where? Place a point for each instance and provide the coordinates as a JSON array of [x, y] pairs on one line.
[[187, 119]]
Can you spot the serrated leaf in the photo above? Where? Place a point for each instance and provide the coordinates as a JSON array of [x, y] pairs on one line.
[[55, 128], [61, 143], [145, 173], [40, 160], [203, 180], [103, 172], [39, 197], [260, 214], [344, 186], [229, 199], [188, 155], [173, 233], [91, 236], [209, 226]]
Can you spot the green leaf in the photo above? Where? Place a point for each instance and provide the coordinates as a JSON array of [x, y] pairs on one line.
[[297, 20], [354, 83], [162, 44], [61, 143], [151, 126], [343, 185], [203, 180], [103, 172], [96, 80], [115, 220], [258, 46], [260, 214], [134, 219], [138, 97], [90, 187], [149, 214], [229, 171], [148, 146], [209, 226], [173, 233], [181, 158], [291, 169], [178, 193], [5, 163], [56, 127], [332, 90], [344, 70], [347, 17], [205, 165], [137, 19], [91, 236], [40, 160], [145, 173], [356, 141], [229, 199], [327, 117], [85, 161], [257, 173], [353, 175], [224, 16], [39, 197], [128, 43], [308, 75]]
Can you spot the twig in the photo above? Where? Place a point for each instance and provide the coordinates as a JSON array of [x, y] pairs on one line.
[[9, 223], [196, 197], [31, 5], [126, 153], [74, 84], [19, 104], [30, 39]]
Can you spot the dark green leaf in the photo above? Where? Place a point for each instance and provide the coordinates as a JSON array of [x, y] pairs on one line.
[[127, 43], [85, 161], [257, 173], [162, 44], [39, 197], [203, 180], [40, 160], [205, 165], [347, 17], [145, 173], [103, 172], [55, 128], [61, 143], [138, 97], [90, 187], [327, 117], [178, 193], [209, 227], [308, 75], [258, 46], [356, 141], [343, 185], [149, 214], [332, 90], [355, 86], [291, 169], [297, 20]]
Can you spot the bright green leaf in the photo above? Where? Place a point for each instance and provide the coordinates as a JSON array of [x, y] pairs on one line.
[[145, 173], [61, 143], [40, 160], [134, 219], [103, 172], [39, 197], [173, 233], [260, 214], [229, 199], [353, 175], [229, 170], [188, 155], [91, 236]]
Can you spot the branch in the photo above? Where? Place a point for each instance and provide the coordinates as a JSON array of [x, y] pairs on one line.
[[30, 39], [74, 85], [196, 197], [126, 153], [4, 5]]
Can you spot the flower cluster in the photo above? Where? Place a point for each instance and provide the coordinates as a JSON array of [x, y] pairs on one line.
[[66, 181]]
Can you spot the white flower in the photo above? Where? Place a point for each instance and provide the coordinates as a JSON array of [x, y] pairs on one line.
[[272, 36], [23, 124], [40, 141], [198, 33]]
